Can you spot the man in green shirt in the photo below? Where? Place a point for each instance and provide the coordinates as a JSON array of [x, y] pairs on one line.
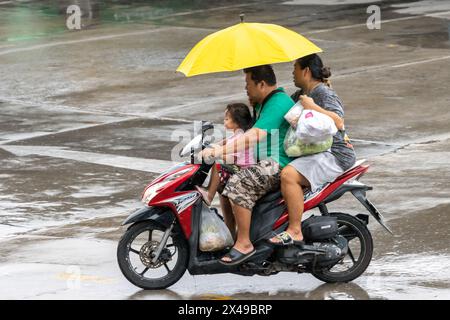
[[245, 187]]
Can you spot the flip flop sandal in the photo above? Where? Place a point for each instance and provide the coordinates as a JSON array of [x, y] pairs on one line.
[[285, 240], [236, 257]]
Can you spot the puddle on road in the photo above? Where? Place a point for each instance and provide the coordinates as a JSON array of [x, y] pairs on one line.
[[415, 276], [40, 192], [422, 7]]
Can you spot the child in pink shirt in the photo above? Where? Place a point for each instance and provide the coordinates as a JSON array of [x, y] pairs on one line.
[[238, 119]]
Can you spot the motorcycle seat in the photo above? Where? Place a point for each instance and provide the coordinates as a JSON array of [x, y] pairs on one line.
[[270, 197], [275, 195], [357, 163]]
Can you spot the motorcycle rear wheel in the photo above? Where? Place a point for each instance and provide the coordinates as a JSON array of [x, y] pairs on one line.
[[351, 228], [130, 254]]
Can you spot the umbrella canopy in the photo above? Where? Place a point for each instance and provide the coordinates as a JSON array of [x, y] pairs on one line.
[[245, 45]]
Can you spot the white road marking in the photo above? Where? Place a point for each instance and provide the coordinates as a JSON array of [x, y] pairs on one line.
[[377, 142], [419, 62], [197, 102], [125, 34], [204, 10], [445, 14], [350, 26], [111, 160], [32, 135], [92, 39]]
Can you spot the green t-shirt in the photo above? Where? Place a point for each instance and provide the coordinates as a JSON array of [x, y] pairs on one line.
[[271, 120]]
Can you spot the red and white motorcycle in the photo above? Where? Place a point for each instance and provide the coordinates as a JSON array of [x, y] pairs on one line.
[[162, 239]]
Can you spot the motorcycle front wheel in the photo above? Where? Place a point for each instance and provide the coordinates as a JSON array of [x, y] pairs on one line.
[[136, 251], [359, 255]]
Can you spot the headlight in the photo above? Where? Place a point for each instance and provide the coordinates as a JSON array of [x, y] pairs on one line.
[[152, 191]]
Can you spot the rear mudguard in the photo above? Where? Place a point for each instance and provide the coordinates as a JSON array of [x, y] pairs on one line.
[[358, 190], [161, 215], [361, 196]]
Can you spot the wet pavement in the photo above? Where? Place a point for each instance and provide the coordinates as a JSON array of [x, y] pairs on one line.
[[86, 121]]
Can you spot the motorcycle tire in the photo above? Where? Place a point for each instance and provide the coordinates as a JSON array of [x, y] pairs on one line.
[[123, 257], [353, 228]]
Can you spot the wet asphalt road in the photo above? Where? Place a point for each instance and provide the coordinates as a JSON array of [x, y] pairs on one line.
[[86, 121]]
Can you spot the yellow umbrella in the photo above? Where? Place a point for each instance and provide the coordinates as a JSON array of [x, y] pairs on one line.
[[245, 45]]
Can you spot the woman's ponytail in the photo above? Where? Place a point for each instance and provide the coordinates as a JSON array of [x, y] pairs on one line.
[[326, 74]]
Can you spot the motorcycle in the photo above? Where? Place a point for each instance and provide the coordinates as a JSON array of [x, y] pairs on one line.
[[162, 238]]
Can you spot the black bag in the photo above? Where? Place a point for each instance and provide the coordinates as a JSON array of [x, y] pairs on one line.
[[319, 228]]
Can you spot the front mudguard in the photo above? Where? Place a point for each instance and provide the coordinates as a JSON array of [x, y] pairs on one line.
[[161, 215]]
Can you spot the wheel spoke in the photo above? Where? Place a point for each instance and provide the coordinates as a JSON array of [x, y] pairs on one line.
[[170, 245], [145, 270], [350, 253], [134, 251], [357, 251], [167, 267], [150, 232], [346, 232]]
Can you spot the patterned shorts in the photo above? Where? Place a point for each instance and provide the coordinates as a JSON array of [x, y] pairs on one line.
[[225, 172], [247, 186]]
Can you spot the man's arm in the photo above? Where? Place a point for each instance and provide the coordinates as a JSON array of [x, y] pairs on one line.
[[248, 139]]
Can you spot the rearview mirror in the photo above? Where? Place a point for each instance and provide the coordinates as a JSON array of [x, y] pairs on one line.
[[206, 125]]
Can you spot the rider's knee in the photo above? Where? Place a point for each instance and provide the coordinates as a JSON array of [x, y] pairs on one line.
[[289, 175]]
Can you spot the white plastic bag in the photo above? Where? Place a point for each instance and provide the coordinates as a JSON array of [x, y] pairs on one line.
[[315, 127], [214, 234], [293, 115], [295, 147]]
